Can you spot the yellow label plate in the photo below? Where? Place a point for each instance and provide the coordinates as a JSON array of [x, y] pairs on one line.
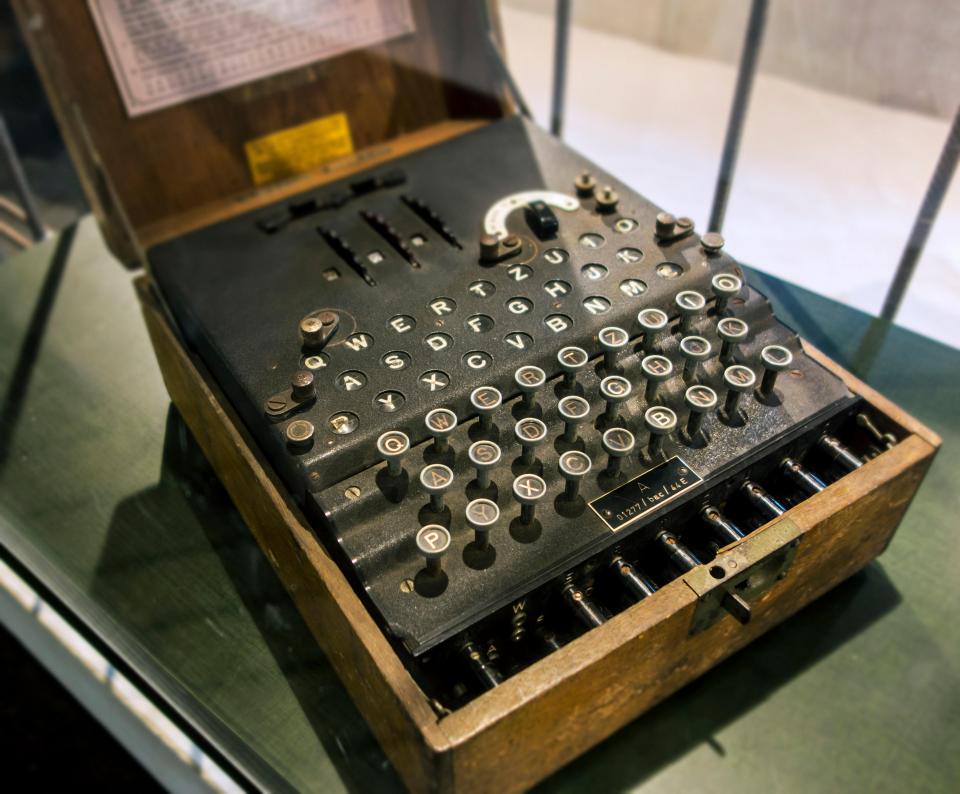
[[296, 150]]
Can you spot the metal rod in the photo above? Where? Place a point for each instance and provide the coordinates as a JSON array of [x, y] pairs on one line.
[[942, 174], [20, 184], [738, 111], [493, 40], [561, 40]]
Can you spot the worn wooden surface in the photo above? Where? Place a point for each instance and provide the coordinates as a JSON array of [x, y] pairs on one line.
[[167, 166], [388, 698], [545, 716]]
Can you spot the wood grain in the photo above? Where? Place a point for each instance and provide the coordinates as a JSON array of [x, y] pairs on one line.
[[173, 163]]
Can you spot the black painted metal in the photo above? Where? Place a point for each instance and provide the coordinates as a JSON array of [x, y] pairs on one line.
[[738, 112]]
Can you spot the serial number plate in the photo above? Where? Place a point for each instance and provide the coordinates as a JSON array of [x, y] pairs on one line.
[[655, 487]]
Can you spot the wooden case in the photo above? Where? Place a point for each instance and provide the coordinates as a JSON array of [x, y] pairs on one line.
[[543, 717]]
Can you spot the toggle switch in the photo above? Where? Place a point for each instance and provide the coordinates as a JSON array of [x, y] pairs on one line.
[[529, 380], [571, 360], [721, 525], [484, 455], [732, 331], [638, 584], [392, 446], [656, 369], [542, 220], [440, 422], [839, 453], [612, 340], [690, 304], [725, 286], [615, 389], [574, 411], [618, 443], [588, 612], [694, 350], [803, 478], [436, 480], [700, 400], [652, 323], [528, 489], [485, 400], [684, 559], [739, 380], [481, 515], [660, 422], [574, 466], [775, 359], [765, 504], [433, 541], [531, 433]]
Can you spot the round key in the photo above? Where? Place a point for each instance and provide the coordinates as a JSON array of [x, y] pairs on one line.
[[725, 286], [433, 541], [436, 480], [690, 304], [617, 442], [612, 340], [574, 411], [571, 360], [775, 359], [481, 515], [531, 433], [529, 380], [615, 389], [528, 489], [299, 433], [485, 400], [738, 379], [656, 369], [392, 446], [660, 421], [484, 455], [574, 466], [700, 400], [440, 422], [732, 330], [652, 322], [694, 349]]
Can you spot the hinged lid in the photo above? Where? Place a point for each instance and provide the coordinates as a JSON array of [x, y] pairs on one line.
[[408, 74]]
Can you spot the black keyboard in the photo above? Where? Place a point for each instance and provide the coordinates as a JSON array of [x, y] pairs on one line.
[[505, 387]]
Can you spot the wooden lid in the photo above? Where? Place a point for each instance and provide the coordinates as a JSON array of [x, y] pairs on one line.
[[154, 176]]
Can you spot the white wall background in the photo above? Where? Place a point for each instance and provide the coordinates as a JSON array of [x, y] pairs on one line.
[[827, 184], [903, 53]]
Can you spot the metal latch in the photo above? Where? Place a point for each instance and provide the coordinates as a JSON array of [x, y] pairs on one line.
[[736, 577]]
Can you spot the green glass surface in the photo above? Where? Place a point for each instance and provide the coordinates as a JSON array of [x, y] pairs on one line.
[[106, 506]]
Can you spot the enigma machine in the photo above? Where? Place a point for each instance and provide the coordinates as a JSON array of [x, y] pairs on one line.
[[528, 451], [511, 395]]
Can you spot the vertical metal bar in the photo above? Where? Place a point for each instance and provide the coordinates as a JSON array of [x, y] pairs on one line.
[[738, 111], [493, 40], [20, 184], [561, 40], [937, 189]]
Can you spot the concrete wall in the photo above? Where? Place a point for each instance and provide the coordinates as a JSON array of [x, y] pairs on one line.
[[903, 53]]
